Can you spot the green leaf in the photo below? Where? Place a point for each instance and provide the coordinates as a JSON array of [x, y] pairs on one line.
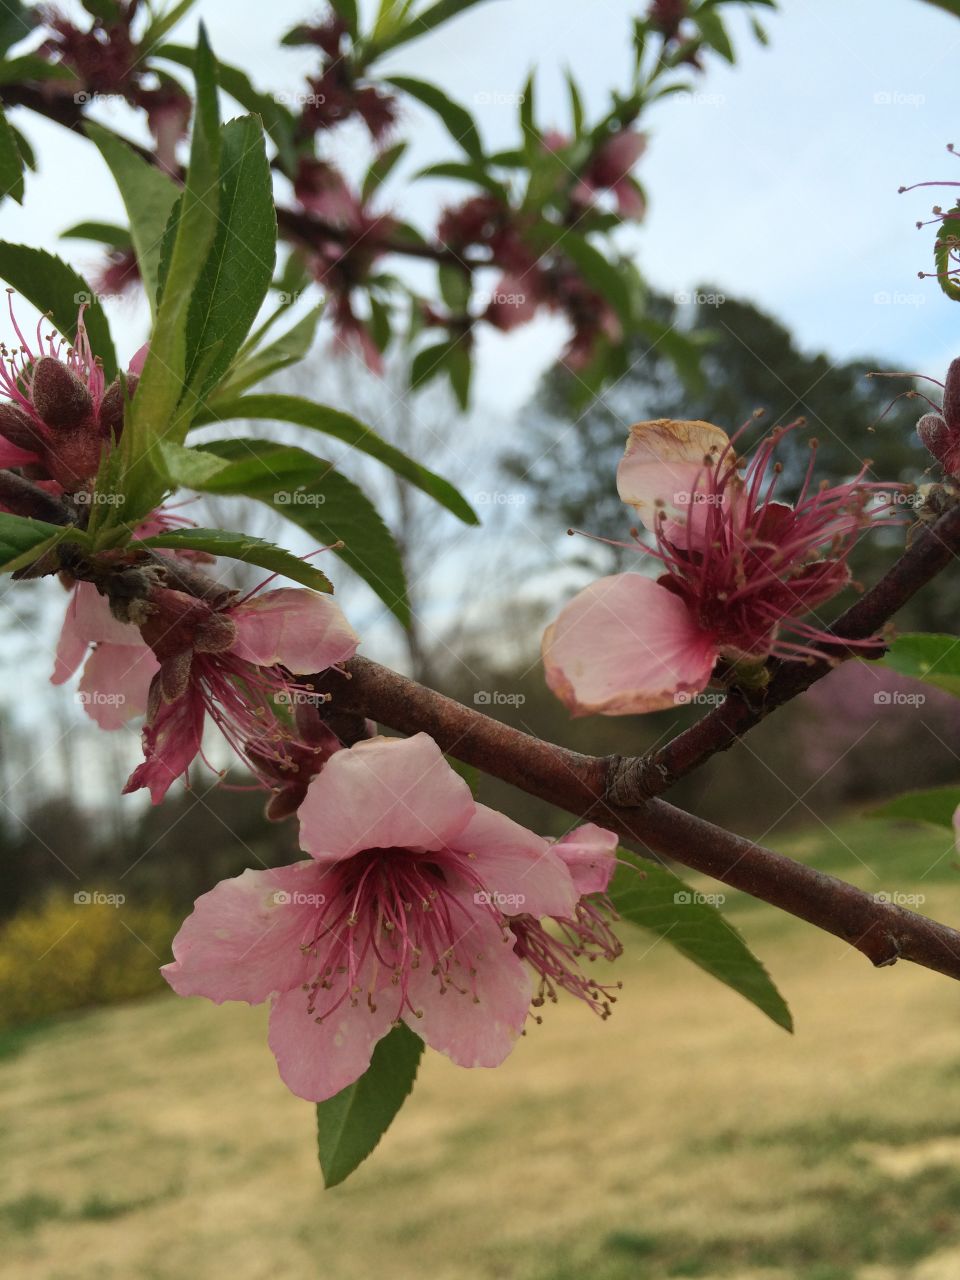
[[430, 362], [22, 540], [236, 276], [101, 232], [458, 120], [288, 349], [56, 289], [662, 903], [350, 431], [160, 25], [312, 494], [277, 119], [460, 371], [433, 16], [29, 66], [381, 168], [468, 172], [15, 24], [11, 163], [932, 658], [530, 138], [714, 33], [352, 1122], [936, 806], [347, 10], [947, 245], [576, 105], [605, 277], [240, 546], [148, 196], [195, 221]]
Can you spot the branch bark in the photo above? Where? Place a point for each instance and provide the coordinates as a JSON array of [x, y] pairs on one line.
[[580, 784], [639, 778]]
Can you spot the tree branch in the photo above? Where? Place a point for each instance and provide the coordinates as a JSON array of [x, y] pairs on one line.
[[579, 784], [638, 778]]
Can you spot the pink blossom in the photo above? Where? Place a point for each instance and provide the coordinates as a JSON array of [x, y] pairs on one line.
[[940, 432], [590, 855], [60, 414], [117, 675], [609, 170], [234, 663], [739, 571], [401, 913]]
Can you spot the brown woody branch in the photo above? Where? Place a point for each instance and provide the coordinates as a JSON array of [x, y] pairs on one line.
[[580, 784], [639, 778]]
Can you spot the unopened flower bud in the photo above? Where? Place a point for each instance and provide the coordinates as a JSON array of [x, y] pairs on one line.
[[215, 634], [951, 396], [934, 434], [73, 459], [19, 430], [113, 404], [58, 395]]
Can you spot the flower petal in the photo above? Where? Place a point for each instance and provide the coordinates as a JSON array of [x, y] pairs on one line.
[[623, 646], [88, 621], [590, 853], [318, 1059], [479, 1026], [384, 793], [116, 683], [171, 740], [242, 940], [302, 630], [520, 869], [663, 467]]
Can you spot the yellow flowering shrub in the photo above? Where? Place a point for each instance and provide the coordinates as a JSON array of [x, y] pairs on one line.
[[73, 953]]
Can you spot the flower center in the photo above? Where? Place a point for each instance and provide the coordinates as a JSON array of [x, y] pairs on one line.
[[388, 914]]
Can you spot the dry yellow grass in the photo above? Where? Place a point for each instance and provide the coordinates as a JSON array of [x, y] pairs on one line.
[[687, 1136]]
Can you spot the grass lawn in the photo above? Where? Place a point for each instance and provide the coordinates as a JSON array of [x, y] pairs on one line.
[[686, 1136]]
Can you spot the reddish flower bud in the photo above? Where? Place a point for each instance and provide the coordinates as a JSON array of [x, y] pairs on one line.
[[59, 397], [113, 404], [951, 395], [73, 458], [19, 430]]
